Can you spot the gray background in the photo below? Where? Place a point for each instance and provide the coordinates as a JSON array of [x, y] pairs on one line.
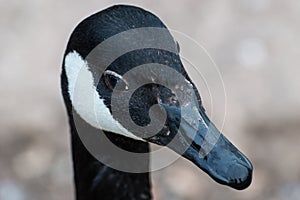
[[255, 44]]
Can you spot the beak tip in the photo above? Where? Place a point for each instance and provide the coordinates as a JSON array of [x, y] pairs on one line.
[[243, 181]]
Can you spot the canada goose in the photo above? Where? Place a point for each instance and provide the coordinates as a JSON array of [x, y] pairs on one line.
[[92, 115]]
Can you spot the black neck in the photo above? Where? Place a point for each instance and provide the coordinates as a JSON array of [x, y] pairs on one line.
[[94, 180]]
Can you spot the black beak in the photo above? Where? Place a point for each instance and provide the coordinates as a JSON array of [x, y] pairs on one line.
[[192, 135], [219, 158]]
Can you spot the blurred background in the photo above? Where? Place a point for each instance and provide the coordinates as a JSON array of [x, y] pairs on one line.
[[255, 44]]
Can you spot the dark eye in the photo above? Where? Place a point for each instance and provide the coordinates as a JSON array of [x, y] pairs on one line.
[[112, 79]]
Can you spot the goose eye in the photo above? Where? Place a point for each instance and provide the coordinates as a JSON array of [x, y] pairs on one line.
[[112, 79]]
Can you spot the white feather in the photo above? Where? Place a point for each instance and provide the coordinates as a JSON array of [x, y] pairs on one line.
[[86, 100]]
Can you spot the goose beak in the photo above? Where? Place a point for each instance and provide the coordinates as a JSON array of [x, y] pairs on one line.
[[194, 137], [219, 158]]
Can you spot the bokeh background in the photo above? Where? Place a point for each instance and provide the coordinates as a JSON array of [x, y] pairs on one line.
[[255, 44]]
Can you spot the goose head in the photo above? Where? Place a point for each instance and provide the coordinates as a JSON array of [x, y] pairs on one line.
[[122, 74]]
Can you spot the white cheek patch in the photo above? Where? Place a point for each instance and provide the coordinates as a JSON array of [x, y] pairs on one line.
[[86, 100]]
